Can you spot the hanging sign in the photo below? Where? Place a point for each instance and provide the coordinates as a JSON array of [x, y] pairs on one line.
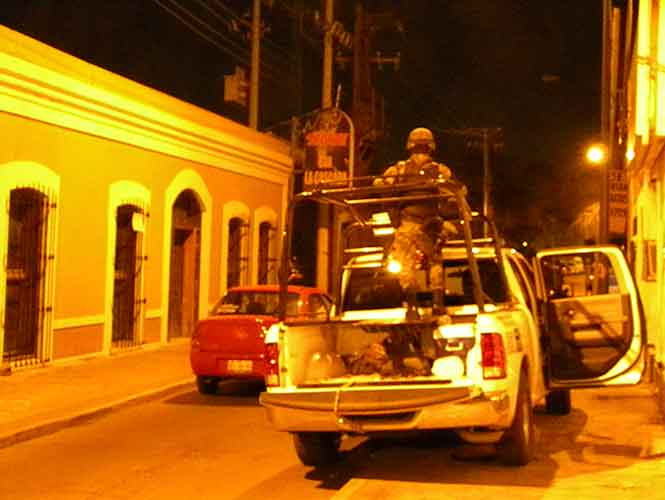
[[328, 145], [617, 208]]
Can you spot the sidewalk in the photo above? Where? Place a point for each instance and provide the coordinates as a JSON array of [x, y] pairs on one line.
[[43, 400]]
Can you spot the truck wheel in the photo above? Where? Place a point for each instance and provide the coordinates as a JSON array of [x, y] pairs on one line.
[[317, 448], [207, 385], [558, 402], [517, 445]]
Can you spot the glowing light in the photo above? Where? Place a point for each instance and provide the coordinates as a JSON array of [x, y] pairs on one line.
[[525, 244], [381, 218], [630, 154], [596, 154], [383, 231], [394, 267]]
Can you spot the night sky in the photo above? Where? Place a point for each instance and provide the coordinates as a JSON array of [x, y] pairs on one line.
[[530, 67]]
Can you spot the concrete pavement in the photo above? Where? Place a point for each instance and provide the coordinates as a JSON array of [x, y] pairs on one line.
[[39, 401]]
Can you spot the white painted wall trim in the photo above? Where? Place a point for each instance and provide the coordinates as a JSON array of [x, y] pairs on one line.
[[44, 84], [153, 313], [30, 174], [121, 193], [230, 210], [76, 322], [186, 179]]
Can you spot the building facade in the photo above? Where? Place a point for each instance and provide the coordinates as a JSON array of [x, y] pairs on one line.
[[124, 213], [640, 108]]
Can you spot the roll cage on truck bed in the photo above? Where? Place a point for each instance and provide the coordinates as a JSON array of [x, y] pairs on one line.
[[510, 333], [361, 202]]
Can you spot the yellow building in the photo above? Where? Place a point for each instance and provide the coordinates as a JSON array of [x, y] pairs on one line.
[[126, 213], [643, 155]]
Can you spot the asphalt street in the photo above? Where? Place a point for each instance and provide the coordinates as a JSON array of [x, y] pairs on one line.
[[221, 447]]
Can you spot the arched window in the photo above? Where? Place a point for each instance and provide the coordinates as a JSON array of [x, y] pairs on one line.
[[266, 261], [26, 266], [236, 260], [29, 193]]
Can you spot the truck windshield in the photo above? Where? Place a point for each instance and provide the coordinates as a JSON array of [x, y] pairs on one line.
[[459, 284], [375, 288]]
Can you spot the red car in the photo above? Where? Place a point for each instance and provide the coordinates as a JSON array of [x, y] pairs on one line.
[[229, 343]]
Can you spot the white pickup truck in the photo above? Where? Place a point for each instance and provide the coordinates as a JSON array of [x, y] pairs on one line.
[[511, 335]]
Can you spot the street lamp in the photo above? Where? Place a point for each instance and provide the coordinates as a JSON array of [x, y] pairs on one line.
[[597, 154]]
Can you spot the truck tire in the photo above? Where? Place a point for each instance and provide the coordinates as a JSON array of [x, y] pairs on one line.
[[517, 445], [317, 448], [207, 385], [558, 402]]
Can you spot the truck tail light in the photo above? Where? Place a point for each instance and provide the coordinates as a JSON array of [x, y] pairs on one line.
[[272, 364], [494, 355]]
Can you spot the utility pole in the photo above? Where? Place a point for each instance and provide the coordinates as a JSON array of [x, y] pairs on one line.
[[490, 139], [486, 174], [323, 226], [256, 61], [326, 86], [367, 108]]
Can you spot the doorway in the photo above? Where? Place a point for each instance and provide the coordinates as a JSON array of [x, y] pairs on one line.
[[185, 265]]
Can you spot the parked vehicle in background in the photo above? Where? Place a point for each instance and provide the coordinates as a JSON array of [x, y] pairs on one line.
[[229, 343]]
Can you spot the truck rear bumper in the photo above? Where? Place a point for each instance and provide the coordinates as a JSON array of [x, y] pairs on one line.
[[368, 411]]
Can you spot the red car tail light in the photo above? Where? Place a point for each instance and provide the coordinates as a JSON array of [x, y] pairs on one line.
[[494, 355], [196, 337], [272, 364]]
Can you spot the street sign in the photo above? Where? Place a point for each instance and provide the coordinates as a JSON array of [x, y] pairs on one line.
[[617, 213], [328, 145]]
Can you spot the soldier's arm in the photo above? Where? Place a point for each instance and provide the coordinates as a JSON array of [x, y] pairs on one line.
[[390, 171], [444, 172]]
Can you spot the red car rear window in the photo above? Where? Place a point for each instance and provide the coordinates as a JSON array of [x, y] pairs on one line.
[[255, 303]]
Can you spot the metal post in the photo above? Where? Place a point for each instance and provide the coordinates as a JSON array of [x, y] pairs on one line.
[[486, 173], [605, 121], [326, 87], [323, 223], [256, 61]]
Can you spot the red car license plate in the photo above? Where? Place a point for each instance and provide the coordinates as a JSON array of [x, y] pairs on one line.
[[239, 365]]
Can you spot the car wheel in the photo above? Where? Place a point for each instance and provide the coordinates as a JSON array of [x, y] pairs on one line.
[[517, 445], [207, 385], [317, 448], [558, 402]]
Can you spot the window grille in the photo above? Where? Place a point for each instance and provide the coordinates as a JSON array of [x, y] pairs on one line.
[[650, 257], [267, 261], [237, 260], [128, 266], [27, 260]]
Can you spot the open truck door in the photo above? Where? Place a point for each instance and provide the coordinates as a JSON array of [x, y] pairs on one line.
[[594, 329]]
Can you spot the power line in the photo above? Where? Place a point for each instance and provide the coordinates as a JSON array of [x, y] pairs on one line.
[[234, 17], [242, 58], [224, 49], [275, 74]]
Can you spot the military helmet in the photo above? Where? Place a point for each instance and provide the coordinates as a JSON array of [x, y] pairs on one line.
[[420, 136]]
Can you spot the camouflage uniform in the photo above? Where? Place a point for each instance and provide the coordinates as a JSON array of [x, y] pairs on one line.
[[420, 232]]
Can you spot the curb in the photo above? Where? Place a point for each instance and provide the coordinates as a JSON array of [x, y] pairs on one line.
[[83, 416]]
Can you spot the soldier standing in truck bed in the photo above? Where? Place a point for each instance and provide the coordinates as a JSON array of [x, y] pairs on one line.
[[420, 231]]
